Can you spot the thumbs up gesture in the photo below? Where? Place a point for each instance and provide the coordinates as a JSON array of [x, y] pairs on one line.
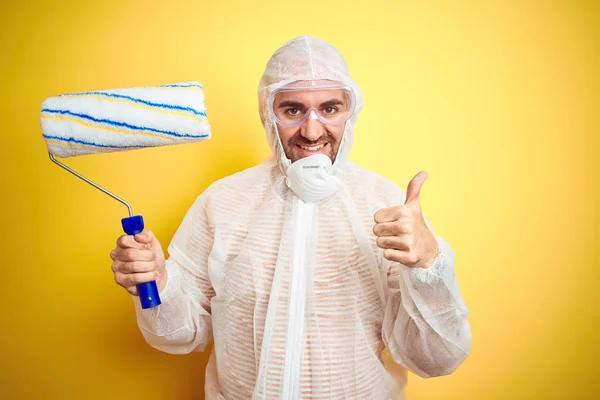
[[402, 232]]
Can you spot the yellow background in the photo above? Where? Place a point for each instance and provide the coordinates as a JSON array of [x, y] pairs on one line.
[[498, 101]]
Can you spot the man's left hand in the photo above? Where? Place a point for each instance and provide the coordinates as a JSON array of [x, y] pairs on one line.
[[402, 232]]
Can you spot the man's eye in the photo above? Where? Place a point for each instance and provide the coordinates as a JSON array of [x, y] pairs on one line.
[[293, 112], [330, 110]]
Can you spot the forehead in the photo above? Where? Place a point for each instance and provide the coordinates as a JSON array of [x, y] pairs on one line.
[[312, 96]]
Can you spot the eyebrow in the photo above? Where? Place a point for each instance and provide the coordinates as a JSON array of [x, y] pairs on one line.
[[297, 104]]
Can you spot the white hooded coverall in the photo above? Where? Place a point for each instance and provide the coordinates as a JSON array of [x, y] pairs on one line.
[[295, 292]]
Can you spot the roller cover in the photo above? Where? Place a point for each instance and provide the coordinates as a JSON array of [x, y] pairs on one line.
[[124, 119]]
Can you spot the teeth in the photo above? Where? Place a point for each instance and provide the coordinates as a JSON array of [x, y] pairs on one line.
[[313, 148]]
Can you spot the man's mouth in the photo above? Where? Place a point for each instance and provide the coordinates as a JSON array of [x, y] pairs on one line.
[[313, 148]]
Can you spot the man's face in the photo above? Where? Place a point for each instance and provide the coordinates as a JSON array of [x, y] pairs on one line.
[[313, 136]]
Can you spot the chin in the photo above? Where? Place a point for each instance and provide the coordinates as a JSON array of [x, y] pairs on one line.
[[298, 153], [299, 157]]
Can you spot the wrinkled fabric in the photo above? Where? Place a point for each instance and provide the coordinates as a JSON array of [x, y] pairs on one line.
[[296, 295]]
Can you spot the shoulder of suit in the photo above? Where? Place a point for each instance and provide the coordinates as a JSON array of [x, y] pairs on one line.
[[362, 181]]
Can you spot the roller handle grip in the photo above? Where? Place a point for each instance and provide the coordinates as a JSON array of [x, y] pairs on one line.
[[148, 291]]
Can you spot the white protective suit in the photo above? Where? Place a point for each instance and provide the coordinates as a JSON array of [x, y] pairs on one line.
[[296, 294]]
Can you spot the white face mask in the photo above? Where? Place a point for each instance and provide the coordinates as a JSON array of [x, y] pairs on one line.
[[313, 178]]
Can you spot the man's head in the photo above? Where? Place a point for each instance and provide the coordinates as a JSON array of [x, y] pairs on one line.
[[311, 117], [303, 61]]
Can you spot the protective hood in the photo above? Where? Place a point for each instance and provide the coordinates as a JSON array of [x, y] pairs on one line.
[[307, 58]]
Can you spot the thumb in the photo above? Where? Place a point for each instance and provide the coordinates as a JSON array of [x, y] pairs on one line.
[[145, 237], [414, 188]]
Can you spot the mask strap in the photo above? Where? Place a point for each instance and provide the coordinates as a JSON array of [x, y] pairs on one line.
[[286, 161]]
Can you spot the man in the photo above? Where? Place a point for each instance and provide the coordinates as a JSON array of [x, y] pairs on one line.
[[310, 273]]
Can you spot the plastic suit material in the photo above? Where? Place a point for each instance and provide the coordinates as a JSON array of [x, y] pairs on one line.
[[283, 272]]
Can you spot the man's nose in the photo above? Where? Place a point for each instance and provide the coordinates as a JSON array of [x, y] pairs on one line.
[[312, 129]]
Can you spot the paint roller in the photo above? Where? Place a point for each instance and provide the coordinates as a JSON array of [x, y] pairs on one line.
[[105, 121]]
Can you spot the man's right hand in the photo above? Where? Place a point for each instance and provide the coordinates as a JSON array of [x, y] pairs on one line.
[[139, 259]]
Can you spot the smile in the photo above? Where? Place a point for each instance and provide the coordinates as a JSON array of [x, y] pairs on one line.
[[313, 148]]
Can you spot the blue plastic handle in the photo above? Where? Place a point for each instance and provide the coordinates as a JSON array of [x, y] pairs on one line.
[[148, 291]]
